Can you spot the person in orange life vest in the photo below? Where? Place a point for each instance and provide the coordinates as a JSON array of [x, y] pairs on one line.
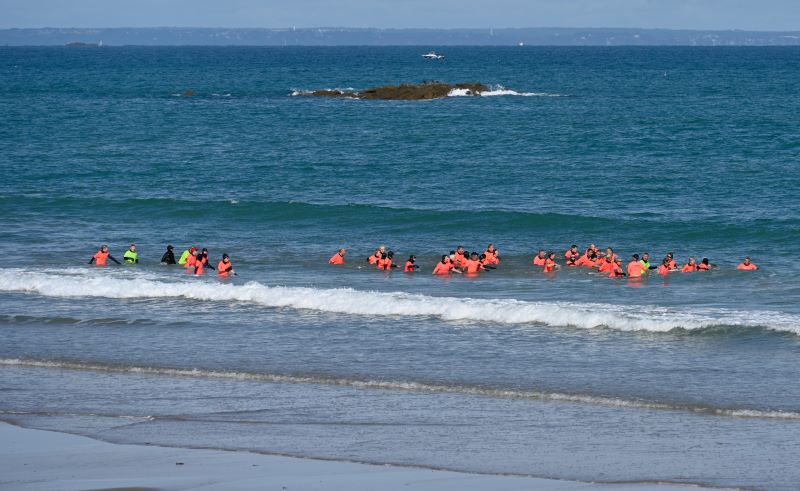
[[411, 264], [338, 258], [540, 258], [572, 256], [492, 255], [474, 265], [373, 259], [203, 257], [673, 265], [705, 265], [690, 267], [635, 268], [225, 267], [747, 265], [610, 253], [102, 256], [386, 262], [460, 258], [199, 266], [616, 269], [192, 260], [445, 266], [484, 262], [594, 248], [607, 264], [587, 260], [664, 269], [550, 263], [572, 251]]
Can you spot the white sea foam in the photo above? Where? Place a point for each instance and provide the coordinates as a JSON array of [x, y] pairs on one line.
[[499, 90], [87, 283], [401, 385]]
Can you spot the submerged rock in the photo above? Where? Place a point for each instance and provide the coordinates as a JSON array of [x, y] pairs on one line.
[[405, 92]]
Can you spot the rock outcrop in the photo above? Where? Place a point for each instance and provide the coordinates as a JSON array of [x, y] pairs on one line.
[[405, 92]]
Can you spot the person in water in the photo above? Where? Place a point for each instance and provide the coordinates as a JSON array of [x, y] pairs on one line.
[[185, 256], [550, 263], [636, 269], [338, 258], [102, 256], [131, 256], [616, 268], [540, 258], [376, 256], [673, 265], [664, 269], [705, 265], [492, 255], [646, 262], [588, 259], [473, 264], [169, 256], [411, 265], [191, 260], [607, 264], [445, 266], [203, 258], [225, 267], [572, 255], [386, 261], [460, 259], [747, 265], [690, 267]]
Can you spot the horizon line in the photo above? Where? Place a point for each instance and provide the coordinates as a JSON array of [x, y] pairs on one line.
[[736, 29]]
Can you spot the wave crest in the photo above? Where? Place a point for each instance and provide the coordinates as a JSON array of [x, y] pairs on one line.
[[87, 283]]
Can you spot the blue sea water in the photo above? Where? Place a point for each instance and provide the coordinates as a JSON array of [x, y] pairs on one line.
[[691, 378]]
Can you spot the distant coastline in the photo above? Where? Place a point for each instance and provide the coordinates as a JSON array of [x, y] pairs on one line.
[[542, 36]]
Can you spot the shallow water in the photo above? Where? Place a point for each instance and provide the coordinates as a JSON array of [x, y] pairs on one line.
[[690, 378]]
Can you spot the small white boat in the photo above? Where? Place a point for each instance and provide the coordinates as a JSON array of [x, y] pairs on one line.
[[432, 56]]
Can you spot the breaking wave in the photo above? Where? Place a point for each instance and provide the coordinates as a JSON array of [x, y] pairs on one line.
[[650, 318]]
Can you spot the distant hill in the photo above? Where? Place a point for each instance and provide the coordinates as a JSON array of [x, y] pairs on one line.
[[550, 36]]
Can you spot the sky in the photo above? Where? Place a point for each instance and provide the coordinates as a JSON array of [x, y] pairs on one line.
[[764, 15]]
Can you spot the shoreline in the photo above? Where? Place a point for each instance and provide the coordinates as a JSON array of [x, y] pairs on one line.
[[51, 460]]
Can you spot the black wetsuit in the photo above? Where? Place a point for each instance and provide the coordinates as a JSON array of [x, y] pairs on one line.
[[168, 257]]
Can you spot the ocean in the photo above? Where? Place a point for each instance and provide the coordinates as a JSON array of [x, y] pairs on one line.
[[689, 378]]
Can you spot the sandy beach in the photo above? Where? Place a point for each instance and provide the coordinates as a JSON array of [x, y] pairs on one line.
[[49, 461]]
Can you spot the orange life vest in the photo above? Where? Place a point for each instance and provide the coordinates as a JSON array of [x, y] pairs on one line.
[[336, 259], [101, 258], [749, 267], [473, 266], [443, 268], [539, 261], [636, 269]]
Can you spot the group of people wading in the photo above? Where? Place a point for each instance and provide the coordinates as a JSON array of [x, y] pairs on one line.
[[607, 262], [195, 261]]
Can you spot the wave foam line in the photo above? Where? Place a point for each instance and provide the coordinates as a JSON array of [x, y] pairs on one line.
[[499, 91], [409, 386], [366, 303]]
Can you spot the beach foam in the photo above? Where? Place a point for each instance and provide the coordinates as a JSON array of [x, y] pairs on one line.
[[651, 318]]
